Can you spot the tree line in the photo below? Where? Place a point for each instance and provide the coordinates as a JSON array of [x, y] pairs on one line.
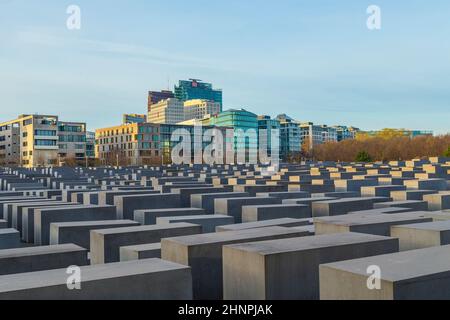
[[367, 149]]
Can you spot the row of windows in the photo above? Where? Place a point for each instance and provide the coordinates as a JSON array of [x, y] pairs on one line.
[[72, 138], [39, 142], [45, 133]]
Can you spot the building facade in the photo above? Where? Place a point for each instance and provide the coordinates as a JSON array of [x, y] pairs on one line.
[[128, 144], [269, 125], [156, 96], [169, 111], [41, 140], [200, 109], [194, 89], [290, 135], [134, 118], [71, 141], [346, 133]]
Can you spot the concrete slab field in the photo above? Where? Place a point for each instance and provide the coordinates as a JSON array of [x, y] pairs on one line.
[[106, 243], [151, 279], [404, 276], [288, 269], [203, 253]]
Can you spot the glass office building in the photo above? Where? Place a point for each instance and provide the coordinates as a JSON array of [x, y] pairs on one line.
[[193, 89]]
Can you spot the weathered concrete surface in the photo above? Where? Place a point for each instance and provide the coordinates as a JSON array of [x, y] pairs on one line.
[[340, 206], [127, 204], [106, 243], [284, 222], [206, 201], [422, 235], [32, 259], [288, 269], [9, 238], [377, 224], [437, 202], [151, 279], [207, 222], [78, 232], [149, 217], [406, 275], [44, 217], [274, 211], [140, 252], [233, 206], [203, 253]]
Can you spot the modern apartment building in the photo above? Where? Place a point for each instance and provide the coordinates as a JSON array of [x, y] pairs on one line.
[[193, 89], [346, 133], [71, 140], [269, 125], [156, 96], [41, 140], [129, 144], [169, 111], [290, 135], [199, 109], [90, 144]]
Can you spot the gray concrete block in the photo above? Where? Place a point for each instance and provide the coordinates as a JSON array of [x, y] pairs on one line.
[[3, 224], [32, 259], [9, 238], [78, 232], [380, 191], [283, 222], [288, 269], [207, 222], [186, 193], [151, 279], [140, 252], [406, 275], [149, 217], [206, 201], [410, 194], [203, 253], [126, 205], [422, 235], [377, 224], [428, 184], [340, 206], [285, 195], [44, 217], [275, 211], [233, 206], [353, 185], [106, 243], [437, 202], [415, 205]]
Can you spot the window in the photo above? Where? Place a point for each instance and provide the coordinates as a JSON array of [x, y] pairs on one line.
[[39, 142], [45, 133]]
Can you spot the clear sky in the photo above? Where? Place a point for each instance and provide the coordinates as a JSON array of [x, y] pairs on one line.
[[314, 60]]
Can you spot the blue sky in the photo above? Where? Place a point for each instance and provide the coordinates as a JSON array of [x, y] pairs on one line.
[[314, 60]]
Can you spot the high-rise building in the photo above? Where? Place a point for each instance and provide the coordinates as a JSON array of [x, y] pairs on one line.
[[41, 140], [193, 89], [290, 136], [269, 124], [199, 109], [156, 96], [170, 111]]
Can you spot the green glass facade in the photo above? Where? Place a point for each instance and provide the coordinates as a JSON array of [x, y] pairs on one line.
[[195, 89]]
